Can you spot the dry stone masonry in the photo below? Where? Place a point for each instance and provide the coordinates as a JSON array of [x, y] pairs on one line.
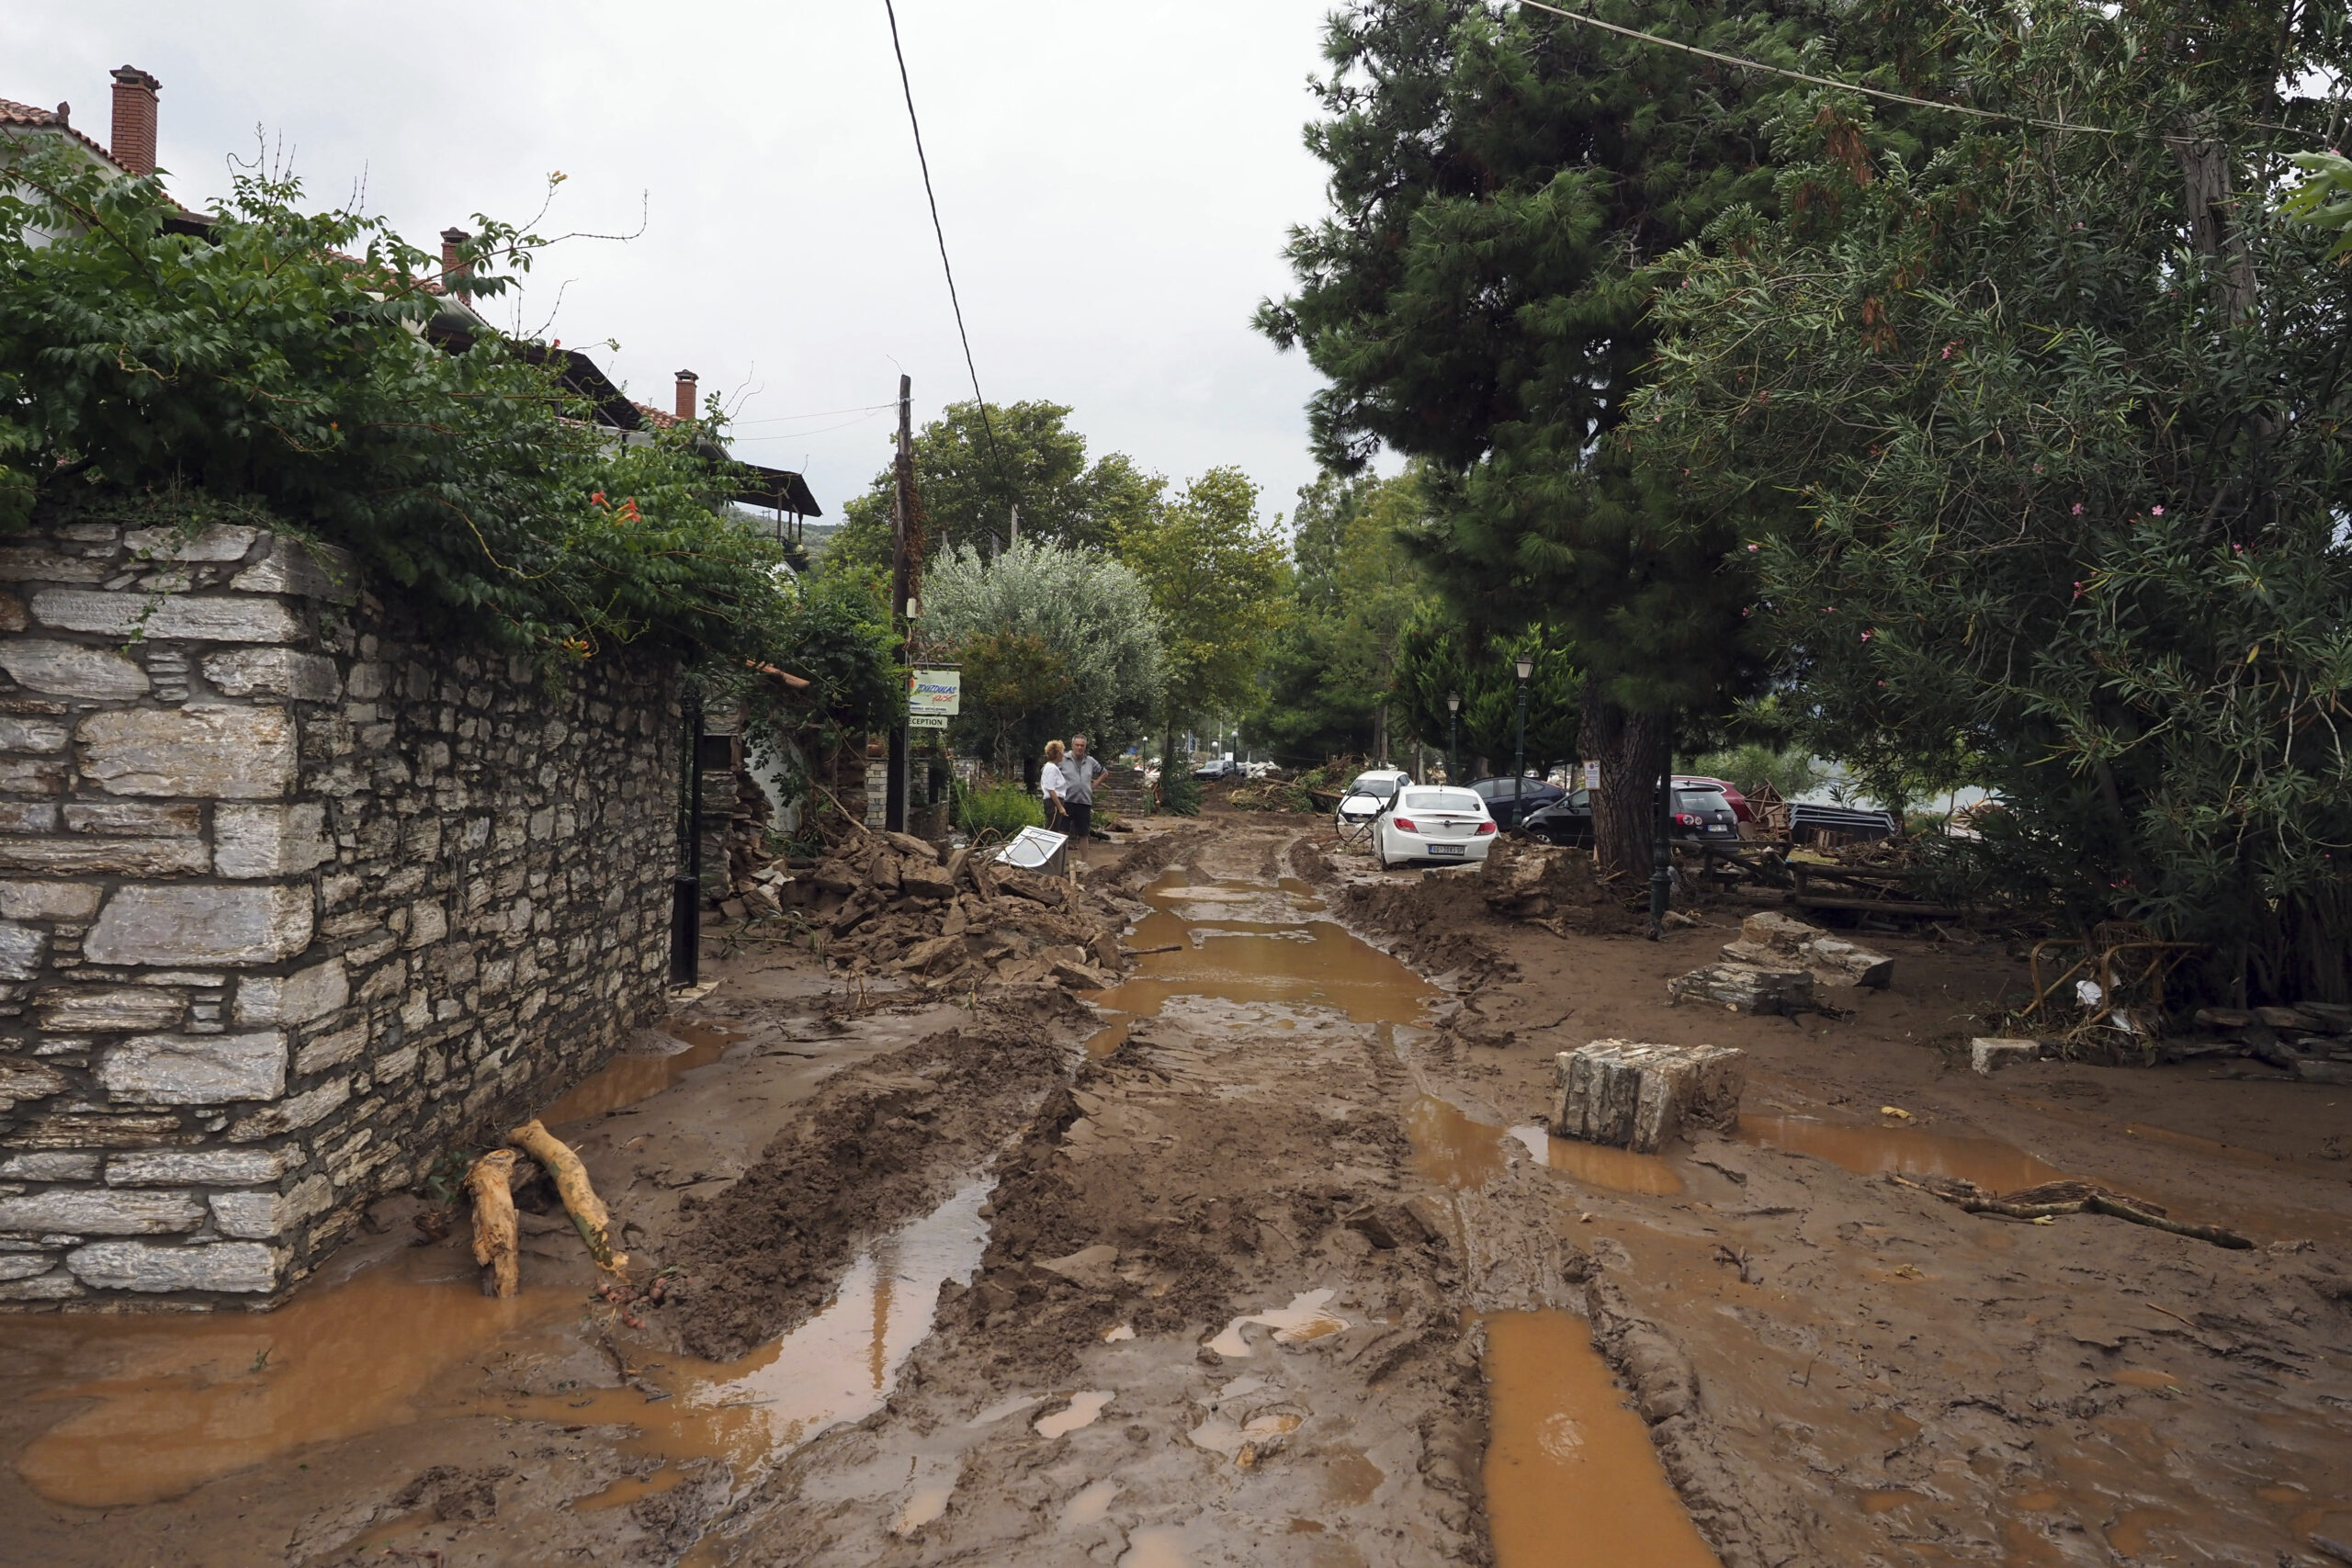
[[295, 898]]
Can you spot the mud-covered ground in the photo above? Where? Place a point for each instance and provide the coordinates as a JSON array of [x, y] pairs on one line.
[[974, 1280]]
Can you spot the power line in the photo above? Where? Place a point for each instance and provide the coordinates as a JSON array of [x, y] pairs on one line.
[[929, 194], [1882, 92]]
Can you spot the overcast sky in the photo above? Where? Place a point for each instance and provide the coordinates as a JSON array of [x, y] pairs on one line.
[[1115, 178]]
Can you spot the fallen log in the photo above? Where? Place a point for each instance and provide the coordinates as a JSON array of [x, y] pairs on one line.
[[490, 1180], [2055, 1198], [580, 1201]]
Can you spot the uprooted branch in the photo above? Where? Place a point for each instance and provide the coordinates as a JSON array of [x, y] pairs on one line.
[[2055, 1198], [580, 1200], [490, 1180]]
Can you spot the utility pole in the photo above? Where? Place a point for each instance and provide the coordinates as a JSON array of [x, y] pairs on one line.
[[894, 799]]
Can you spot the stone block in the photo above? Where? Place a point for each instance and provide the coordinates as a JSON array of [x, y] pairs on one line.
[[2313, 1070], [24, 1265], [33, 776], [196, 1069], [220, 754], [32, 734], [57, 1285], [1746, 987], [140, 1265], [274, 672], [199, 1167], [1773, 940], [27, 816], [330, 1050], [20, 1080], [294, 999], [116, 1010], [1988, 1055], [49, 1167], [71, 669], [1640, 1096], [49, 900], [167, 618], [291, 1115], [313, 571], [136, 818], [221, 542], [269, 840], [427, 923], [20, 950], [34, 563], [246, 923], [131, 1129], [13, 618], [104, 856], [100, 1212], [249, 1216]]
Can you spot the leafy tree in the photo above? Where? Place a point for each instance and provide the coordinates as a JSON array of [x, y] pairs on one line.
[[2041, 465], [277, 362], [1332, 660], [1435, 660], [969, 486], [1498, 181], [1054, 642], [1217, 576]]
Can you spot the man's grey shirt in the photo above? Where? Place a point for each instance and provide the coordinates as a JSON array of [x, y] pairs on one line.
[[1078, 780]]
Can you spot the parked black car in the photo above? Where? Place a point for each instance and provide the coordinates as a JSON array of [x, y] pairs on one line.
[[1701, 816], [1505, 807]]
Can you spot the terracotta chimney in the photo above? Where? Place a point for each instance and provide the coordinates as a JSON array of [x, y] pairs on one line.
[[134, 142], [686, 380], [453, 271]]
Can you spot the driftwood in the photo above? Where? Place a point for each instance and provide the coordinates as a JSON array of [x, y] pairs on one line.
[[2055, 1198], [580, 1200], [490, 1180]]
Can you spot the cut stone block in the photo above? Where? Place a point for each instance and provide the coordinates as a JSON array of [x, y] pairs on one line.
[[193, 923], [115, 1010], [195, 617], [101, 1212], [1773, 940], [1640, 1096], [2310, 1069], [1988, 1055], [166, 1168], [217, 753], [1746, 987], [138, 1266], [196, 1069], [27, 1081], [71, 669], [274, 672]]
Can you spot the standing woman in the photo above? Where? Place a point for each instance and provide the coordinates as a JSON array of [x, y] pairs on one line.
[[1049, 784]]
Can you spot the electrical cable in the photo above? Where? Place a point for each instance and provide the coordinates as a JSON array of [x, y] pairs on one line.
[[907, 86], [1889, 97]]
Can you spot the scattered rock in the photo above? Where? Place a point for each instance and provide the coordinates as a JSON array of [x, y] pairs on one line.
[[1746, 987], [1988, 1056], [1639, 1097], [1772, 941]]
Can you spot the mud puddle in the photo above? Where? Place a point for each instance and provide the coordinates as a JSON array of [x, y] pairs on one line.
[[1901, 1151], [626, 1079], [1453, 1149]]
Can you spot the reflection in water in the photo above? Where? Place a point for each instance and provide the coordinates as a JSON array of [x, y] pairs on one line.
[[1451, 1149], [1572, 1481], [1904, 1150], [182, 1400], [1596, 1165], [625, 1080]]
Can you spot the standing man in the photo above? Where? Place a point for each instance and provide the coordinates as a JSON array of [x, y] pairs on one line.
[[1078, 773]]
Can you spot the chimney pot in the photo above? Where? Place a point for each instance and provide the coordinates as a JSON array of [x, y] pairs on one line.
[[686, 380], [452, 270], [65, 114], [133, 141]]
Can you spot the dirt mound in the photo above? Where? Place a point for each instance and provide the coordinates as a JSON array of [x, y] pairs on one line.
[[1556, 888], [1146, 859], [1438, 924], [877, 1145]]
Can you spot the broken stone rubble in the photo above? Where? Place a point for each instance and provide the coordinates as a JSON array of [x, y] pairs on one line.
[[1773, 940]]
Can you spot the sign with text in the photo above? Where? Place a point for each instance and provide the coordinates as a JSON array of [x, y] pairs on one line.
[[935, 692], [1592, 775], [926, 721]]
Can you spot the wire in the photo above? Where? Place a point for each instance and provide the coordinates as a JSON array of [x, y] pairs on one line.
[[907, 86], [821, 413], [1892, 97]]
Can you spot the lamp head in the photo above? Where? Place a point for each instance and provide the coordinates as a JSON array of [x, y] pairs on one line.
[[1526, 666], [1453, 702]]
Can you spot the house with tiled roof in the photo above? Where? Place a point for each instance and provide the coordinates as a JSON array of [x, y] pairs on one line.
[[130, 145]]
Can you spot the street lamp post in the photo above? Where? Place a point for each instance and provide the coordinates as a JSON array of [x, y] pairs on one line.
[[1526, 666], [1661, 846], [1454, 737]]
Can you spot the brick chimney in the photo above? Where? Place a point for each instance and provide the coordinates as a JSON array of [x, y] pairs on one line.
[[686, 380], [453, 271], [134, 142]]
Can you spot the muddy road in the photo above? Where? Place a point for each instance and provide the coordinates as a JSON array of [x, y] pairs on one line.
[[1264, 1257]]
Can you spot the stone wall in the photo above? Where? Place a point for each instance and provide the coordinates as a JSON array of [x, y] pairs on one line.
[[296, 896]]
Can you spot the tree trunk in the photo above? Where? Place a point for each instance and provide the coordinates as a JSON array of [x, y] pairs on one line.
[[1631, 749]]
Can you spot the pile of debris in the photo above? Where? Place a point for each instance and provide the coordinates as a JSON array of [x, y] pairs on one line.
[[953, 918], [1775, 965], [1550, 886], [2311, 1040]]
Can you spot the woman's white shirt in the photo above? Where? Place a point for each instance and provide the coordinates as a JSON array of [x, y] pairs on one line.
[[1049, 779]]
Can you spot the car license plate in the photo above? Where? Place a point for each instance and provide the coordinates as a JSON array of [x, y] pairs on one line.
[[1445, 849]]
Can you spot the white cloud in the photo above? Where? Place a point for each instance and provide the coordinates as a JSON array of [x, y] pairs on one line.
[[1116, 179]]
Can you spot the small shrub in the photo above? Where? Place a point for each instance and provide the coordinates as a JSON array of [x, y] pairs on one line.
[[1002, 809], [1180, 795]]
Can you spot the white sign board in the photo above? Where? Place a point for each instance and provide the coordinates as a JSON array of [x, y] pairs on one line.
[[926, 721], [933, 692], [1592, 775]]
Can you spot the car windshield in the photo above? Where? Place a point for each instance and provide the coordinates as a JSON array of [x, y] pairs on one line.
[[1380, 789], [1697, 800], [1442, 800]]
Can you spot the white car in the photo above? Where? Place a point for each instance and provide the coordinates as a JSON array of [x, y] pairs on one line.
[[1433, 824], [1367, 796]]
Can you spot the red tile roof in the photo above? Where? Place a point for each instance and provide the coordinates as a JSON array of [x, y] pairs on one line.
[[659, 418], [14, 113]]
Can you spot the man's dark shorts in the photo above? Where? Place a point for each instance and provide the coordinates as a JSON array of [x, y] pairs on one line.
[[1077, 820]]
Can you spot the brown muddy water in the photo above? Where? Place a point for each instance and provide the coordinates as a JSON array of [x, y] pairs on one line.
[[1571, 1478], [1902, 1151]]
